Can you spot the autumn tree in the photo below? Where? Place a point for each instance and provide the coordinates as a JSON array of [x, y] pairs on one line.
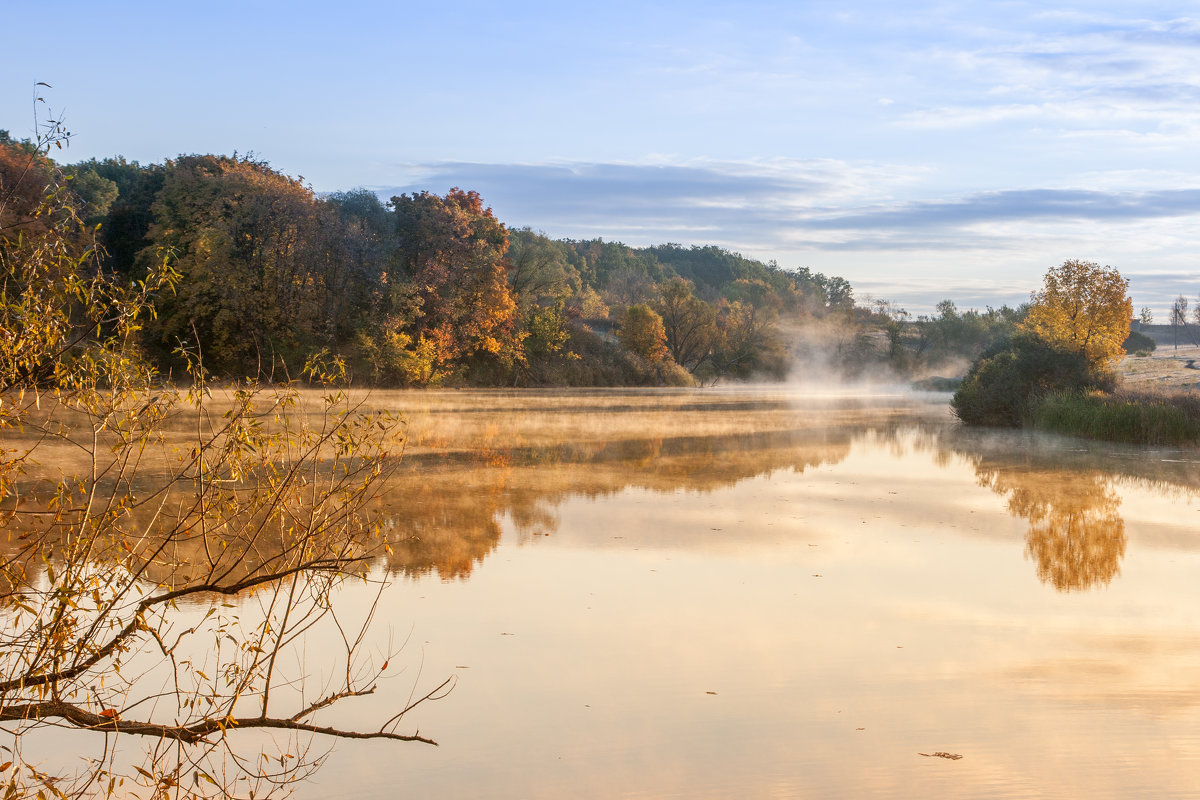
[[27, 175], [1085, 308], [689, 323], [449, 308], [252, 248], [641, 332]]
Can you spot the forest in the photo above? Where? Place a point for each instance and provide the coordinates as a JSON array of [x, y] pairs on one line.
[[261, 272]]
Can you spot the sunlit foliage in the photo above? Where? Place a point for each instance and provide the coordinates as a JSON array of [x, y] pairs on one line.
[[1085, 308], [641, 332]]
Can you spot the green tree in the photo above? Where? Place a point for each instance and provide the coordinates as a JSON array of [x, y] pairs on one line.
[[1005, 383], [125, 226], [538, 269]]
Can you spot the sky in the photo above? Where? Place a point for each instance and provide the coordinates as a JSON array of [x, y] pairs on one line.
[[921, 150]]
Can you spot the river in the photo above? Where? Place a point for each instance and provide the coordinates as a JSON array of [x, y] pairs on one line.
[[777, 593]]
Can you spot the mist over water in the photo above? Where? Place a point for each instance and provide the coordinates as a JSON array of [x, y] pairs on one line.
[[782, 591]]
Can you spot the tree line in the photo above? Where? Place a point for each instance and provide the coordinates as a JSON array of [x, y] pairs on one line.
[[422, 290]]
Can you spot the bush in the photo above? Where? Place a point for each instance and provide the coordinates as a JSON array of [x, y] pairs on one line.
[[1004, 385], [1139, 343]]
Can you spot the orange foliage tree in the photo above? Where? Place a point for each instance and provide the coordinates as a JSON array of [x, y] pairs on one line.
[[450, 305]]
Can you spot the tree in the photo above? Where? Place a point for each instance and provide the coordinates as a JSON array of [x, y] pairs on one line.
[[641, 332], [747, 342], [690, 324], [1178, 317], [450, 293], [1004, 385], [1085, 308], [251, 245], [120, 561], [538, 269]]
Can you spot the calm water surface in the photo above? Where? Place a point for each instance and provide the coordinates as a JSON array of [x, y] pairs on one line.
[[762, 594]]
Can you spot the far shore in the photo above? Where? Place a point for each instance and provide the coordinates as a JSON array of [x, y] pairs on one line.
[[1165, 368]]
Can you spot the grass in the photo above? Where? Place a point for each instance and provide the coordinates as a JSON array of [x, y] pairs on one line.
[[1137, 416]]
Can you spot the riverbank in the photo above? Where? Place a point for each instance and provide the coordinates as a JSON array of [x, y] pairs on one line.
[[1156, 403], [1165, 368]]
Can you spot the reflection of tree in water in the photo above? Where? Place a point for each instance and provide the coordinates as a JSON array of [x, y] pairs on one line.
[[447, 509], [1066, 492], [434, 521], [442, 512], [1076, 533]]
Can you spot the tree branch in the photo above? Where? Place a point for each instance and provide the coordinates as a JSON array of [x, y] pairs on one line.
[[188, 734]]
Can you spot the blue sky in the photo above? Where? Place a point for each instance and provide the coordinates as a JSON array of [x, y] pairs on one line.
[[921, 150]]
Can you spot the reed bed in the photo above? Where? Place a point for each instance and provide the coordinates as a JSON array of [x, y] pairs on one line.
[[1135, 416]]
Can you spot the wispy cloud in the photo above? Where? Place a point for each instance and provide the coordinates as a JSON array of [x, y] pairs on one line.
[[1068, 70], [849, 219], [1036, 205], [778, 200]]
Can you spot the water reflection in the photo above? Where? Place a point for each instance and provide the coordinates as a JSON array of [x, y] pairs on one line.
[[1076, 533], [476, 460], [443, 510], [443, 514]]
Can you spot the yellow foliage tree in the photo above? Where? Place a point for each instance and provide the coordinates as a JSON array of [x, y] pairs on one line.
[[1083, 307], [641, 331]]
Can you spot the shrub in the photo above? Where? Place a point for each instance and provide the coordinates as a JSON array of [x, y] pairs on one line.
[[1139, 343], [1004, 385]]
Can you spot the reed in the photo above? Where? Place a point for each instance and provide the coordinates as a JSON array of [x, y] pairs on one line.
[[1126, 415]]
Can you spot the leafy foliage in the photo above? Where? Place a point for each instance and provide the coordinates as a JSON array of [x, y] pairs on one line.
[[642, 333], [428, 290], [1085, 308], [1004, 385]]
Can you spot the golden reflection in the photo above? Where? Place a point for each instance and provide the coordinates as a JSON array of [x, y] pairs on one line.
[[477, 460], [1076, 533], [442, 513]]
